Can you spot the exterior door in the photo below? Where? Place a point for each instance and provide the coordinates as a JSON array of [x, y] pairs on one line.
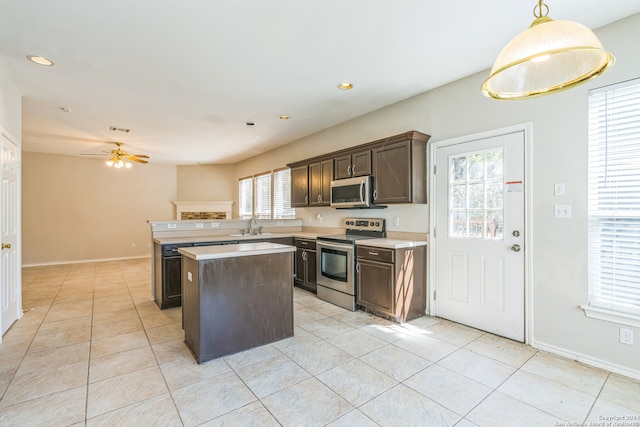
[[11, 297], [479, 236]]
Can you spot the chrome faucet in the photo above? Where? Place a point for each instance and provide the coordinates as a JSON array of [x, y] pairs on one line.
[[253, 221]]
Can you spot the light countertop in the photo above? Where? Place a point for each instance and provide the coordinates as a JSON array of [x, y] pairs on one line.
[[391, 243], [201, 253], [381, 243], [231, 237]]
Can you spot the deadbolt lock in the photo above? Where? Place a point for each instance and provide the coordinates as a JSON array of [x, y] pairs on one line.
[[516, 233]]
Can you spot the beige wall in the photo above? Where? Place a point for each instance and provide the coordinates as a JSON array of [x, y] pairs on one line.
[[76, 209], [207, 183]]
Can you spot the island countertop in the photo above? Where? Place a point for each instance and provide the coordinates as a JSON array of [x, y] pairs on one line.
[[201, 253]]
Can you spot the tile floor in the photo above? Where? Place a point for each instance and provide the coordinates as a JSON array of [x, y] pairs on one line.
[[92, 349]]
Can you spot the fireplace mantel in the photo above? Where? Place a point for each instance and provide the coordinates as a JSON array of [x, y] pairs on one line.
[[204, 210]]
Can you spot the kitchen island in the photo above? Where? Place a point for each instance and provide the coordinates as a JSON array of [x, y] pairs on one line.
[[236, 297]]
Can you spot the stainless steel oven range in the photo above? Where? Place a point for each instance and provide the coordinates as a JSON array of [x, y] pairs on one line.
[[336, 260]]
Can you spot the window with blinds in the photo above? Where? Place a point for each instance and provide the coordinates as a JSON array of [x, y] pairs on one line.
[[245, 198], [282, 194], [614, 198], [262, 195]]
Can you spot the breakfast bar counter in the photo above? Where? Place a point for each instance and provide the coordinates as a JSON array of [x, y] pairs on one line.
[[236, 297]]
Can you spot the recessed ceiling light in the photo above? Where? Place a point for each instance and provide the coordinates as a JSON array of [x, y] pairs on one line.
[[66, 109], [284, 117], [249, 124], [40, 60], [345, 86]]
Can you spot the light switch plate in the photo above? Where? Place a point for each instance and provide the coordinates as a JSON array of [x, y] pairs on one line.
[[562, 211], [558, 189]]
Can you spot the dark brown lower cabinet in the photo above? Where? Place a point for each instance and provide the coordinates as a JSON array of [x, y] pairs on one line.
[[392, 282], [305, 268]]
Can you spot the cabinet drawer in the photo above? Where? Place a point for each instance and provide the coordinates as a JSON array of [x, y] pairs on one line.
[[375, 254], [305, 244]]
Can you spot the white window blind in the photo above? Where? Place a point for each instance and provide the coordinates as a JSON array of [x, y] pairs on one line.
[[614, 198], [245, 205], [262, 185], [282, 194]]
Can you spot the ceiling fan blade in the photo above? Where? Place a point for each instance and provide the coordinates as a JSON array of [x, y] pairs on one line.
[[140, 155], [133, 159]]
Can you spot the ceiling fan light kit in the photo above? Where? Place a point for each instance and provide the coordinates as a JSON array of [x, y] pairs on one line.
[[548, 57], [120, 159]]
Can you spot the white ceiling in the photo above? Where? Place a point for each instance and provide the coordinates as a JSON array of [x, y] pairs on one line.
[[185, 75]]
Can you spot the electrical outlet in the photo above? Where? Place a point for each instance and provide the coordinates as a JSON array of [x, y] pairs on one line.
[[562, 211], [396, 220], [149, 244], [133, 246], [626, 336]]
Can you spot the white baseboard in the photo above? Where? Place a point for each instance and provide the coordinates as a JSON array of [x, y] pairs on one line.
[[587, 360], [83, 261]]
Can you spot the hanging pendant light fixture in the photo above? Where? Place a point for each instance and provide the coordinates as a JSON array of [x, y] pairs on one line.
[[548, 57]]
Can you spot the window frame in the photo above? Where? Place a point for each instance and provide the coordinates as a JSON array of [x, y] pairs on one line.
[[609, 134], [274, 210]]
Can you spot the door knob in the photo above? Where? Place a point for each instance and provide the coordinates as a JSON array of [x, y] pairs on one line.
[[6, 246], [515, 248]]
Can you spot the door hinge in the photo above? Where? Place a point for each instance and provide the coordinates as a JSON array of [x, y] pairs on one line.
[[435, 232], [434, 295], [435, 168]]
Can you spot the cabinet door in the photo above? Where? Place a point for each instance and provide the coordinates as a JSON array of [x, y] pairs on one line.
[[392, 173], [361, 163], [299, 186], [342, 167], [320, 176], [172, 281], [311, 269], [375, 285], [299, 268], [327, 177]]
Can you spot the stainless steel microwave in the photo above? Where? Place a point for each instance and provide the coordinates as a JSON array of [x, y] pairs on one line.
[[352, 192]]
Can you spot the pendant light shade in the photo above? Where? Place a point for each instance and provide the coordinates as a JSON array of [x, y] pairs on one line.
[[548, 57]]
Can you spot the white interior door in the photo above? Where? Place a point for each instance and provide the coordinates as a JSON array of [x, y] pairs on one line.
[[479, 239], [11, 297]]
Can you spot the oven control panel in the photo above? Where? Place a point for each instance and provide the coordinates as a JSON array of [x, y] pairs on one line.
[[364, 224]]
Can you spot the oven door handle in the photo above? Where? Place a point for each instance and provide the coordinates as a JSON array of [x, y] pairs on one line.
[[346, 248]]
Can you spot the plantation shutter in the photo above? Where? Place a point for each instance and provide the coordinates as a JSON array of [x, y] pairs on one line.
[[614, 197], [262, 185], [282, 194], [245, 205]]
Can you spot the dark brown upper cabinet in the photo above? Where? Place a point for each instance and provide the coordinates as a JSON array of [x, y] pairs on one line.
[[300, 186], [398, 165], [352, 165], [400, 173], [320, 176]]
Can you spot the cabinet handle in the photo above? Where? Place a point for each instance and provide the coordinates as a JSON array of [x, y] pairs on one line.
[[375, 194], [304, 256], [304, 243], [373, 253], [357, 267], [306, 200], [353, 169], [349, 170]]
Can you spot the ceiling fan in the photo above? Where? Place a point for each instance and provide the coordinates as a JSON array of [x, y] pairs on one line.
[[118, 158]]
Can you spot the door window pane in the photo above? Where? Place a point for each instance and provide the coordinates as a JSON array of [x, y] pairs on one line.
[[476, 195]]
